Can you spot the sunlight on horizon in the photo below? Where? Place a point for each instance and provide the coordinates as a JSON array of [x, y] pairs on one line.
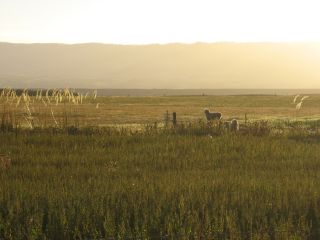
[[143, 21]]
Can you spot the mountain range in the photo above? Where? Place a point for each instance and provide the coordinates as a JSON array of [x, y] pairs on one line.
[[170, 66]]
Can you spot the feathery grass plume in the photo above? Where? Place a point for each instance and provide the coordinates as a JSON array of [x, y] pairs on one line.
[[81, 98], [85, 96], [51, 96], [13, 95], [29, 122], [72, 97], [97, 106], [54, 119], [48, 100], [299, 105], [57, 100], [77, 99], [66, 93], [54, 91], [8, 93], [18, 102], [24, 97], [69, 97], [295, 98], [40, 94], [28, 109], [95, 93], [44, 102], [24, 94], [58, 95]]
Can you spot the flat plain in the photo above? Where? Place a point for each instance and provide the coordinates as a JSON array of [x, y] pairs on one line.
[[148, 110], [92, 180]]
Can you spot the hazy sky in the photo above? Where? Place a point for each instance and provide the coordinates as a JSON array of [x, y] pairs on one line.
[[159, 21]]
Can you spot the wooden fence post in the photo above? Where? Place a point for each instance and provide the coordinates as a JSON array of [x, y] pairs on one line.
[[174, 118], [166, 118]]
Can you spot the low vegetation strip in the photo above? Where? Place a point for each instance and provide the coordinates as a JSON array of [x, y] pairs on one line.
[[64, 107], [177, 183]]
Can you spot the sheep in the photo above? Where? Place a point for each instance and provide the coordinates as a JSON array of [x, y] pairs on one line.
[[234, 125], [212, 115]]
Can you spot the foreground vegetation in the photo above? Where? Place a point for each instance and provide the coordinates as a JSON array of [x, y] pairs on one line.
[[65, 175], [188, 182]]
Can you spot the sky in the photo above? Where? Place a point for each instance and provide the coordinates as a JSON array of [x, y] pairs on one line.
[[159, 21]]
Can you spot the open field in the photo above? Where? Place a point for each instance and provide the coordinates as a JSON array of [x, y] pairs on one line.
[[194, 181], [142, 110], [151, 109]]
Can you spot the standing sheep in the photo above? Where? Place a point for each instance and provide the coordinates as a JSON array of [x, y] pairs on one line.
[[234, 125], [212, 115]]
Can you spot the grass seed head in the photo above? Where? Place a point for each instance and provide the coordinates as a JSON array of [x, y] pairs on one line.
[[295, 98]]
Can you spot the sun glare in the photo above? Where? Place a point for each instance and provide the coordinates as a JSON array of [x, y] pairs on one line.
[[143, 21]]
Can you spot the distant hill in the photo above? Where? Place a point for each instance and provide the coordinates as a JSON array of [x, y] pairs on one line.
[[182, 66]]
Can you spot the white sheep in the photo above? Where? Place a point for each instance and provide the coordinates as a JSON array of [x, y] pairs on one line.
[[234, 125], [212, 115]]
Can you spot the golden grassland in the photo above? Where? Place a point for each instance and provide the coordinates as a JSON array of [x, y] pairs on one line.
[[65, 176], [152, 109], [61, 106]]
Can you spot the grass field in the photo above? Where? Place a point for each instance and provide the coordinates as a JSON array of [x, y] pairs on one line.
[[190, 182], [142, 110], [189, 108]]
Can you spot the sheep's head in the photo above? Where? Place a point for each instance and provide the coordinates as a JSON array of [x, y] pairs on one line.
[[206, 111]]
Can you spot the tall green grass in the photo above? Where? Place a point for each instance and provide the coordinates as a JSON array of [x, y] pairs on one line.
[[160, 184]]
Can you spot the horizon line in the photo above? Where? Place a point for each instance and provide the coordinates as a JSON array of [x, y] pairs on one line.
[[79, 88], [162, 44]]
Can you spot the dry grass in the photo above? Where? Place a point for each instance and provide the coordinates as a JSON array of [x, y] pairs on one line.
[[57, 107], [192, 181], [5, 162], [175, 184], [89, 110]]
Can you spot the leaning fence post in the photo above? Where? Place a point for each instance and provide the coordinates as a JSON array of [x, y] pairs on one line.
[[174, 118]]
